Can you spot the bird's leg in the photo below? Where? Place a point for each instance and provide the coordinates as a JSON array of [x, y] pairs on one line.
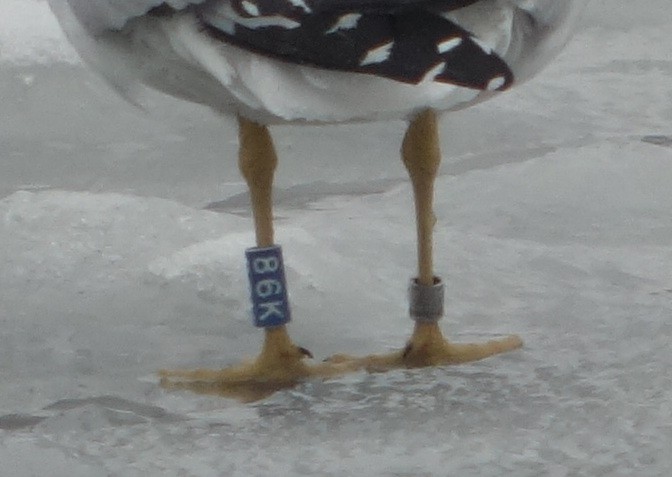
[[257, 161], [421, 155], [427, 347], [281, 363]]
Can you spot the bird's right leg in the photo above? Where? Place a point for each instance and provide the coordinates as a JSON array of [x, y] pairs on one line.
[[280, 363]]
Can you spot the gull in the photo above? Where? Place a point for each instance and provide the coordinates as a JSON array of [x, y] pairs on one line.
[[299, 62]]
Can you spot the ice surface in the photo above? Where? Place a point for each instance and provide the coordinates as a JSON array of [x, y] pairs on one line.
[[121, 252], [29, 34]]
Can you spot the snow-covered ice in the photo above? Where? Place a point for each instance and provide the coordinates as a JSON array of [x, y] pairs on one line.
[[121, 251]]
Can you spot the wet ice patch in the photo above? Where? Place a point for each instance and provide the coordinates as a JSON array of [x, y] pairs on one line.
[[658, 140], [89, 415]]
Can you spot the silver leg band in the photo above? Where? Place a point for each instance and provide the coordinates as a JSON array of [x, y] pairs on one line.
[[426, 301]]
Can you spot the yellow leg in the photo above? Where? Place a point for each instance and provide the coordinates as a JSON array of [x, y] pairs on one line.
[[257, 161], [427, 347], [281, 363], [421, 155]]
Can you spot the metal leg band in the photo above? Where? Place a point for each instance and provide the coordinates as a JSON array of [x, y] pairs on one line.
[[268, 287], [426, 301]]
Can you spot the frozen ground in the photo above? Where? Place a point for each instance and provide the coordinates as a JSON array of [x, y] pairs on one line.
[[121, 252]]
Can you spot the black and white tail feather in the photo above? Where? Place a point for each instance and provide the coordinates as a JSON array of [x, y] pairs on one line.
[[409, 41]]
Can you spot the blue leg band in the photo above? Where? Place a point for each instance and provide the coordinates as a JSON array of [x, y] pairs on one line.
[[268, 287]]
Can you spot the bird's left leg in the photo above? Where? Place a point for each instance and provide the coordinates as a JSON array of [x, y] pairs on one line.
[[281, 363], [427, 347]]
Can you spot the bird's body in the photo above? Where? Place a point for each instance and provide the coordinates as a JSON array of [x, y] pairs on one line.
[[323, 61], [288, 61]]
